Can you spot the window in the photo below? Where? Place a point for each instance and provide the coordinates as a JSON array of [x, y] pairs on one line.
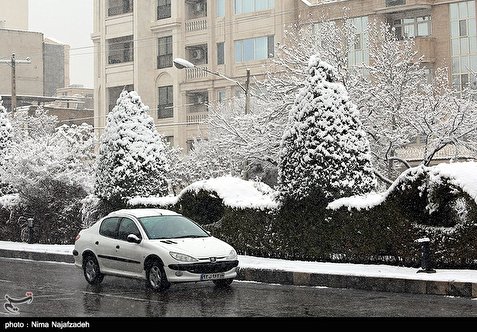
[[220, 8], [358, 53], [127, 227], [390, 3], [358, 44], [163, 9], [463, 28], [120, 50], [463, 43], [220, 53], [417, 26], [114, 92], [165, 109], [220, 96], [119, 7], [250, 6], [254, 49], [164, 58], [109, 227]]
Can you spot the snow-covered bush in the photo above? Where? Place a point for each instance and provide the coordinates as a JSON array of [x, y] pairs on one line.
[[51, 171], [325, 152], [204, 201], [132, 158], [5, 130]]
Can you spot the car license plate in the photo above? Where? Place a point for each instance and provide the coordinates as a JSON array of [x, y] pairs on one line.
[[212, 276]]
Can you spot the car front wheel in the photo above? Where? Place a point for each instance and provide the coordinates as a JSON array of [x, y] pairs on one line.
[[92, 274], [156, 277], [222, 282]]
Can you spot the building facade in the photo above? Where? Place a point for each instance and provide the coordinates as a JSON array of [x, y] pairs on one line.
[[14, 14], [49, 68], [29, 77], [444, 31], [136, 42], [56, 67]]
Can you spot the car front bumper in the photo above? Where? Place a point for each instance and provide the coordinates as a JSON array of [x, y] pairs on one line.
[[201, 271]]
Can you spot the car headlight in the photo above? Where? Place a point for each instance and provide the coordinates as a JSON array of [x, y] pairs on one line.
[[232, 255], [182, 257]]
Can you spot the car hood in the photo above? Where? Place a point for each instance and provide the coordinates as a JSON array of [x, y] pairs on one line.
[[196, 247]]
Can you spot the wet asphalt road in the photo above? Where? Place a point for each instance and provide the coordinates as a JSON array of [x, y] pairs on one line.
[[59, 290]]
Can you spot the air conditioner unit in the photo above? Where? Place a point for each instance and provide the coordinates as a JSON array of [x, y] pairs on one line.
[[200, 99], [198, 54], [199, 7]]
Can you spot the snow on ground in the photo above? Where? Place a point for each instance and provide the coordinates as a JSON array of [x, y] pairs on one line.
[[234, 192], [384, 271], [463, 175]]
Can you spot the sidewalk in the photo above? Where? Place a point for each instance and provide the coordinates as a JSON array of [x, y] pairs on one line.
[[384, 278]]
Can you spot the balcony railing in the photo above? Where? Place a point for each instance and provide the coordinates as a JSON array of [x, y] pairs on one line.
[[196, 25], [197, 118], [196, 73]]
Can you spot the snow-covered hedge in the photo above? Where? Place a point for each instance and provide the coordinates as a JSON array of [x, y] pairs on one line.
[[438, 202], [204, 201]]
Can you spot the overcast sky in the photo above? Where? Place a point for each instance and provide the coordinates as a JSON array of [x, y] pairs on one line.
[[71, 22]]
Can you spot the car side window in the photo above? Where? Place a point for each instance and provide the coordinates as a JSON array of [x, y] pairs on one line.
[[127, 227], [109, 227]]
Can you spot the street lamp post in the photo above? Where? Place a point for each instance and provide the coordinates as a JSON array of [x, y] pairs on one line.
[[184, 64], [13, 63]]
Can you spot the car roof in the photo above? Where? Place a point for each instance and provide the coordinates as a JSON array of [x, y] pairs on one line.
[[139, 213]]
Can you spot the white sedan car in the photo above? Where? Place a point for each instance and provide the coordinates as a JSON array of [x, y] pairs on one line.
[[160, 246]]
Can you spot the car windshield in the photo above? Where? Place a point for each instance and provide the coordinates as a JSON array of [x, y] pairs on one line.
[[171, 227]]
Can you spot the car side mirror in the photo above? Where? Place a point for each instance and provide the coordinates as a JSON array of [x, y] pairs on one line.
[[133, 239]]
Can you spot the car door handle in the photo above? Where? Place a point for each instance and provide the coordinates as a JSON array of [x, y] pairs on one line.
[[117, 247], [97, 243]]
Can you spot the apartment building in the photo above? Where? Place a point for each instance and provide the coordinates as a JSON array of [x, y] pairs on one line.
[[136, 42], [444, 30], [14, 14]]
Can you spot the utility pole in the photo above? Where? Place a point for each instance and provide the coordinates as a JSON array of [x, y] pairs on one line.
[[13, 63]]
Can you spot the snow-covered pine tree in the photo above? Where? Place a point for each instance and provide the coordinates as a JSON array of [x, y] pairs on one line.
[[132, 159], [6, 131], [324, 152]]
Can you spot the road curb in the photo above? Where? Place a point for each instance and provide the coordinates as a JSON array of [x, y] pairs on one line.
[[381, 284]]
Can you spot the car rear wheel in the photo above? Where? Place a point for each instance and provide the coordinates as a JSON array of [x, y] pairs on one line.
[[92, 274], [222, 282], [156, 277]]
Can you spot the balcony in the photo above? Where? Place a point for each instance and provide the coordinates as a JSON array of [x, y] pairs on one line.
[[392, 6], [199, 24], [195, 73], [197, 118]]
